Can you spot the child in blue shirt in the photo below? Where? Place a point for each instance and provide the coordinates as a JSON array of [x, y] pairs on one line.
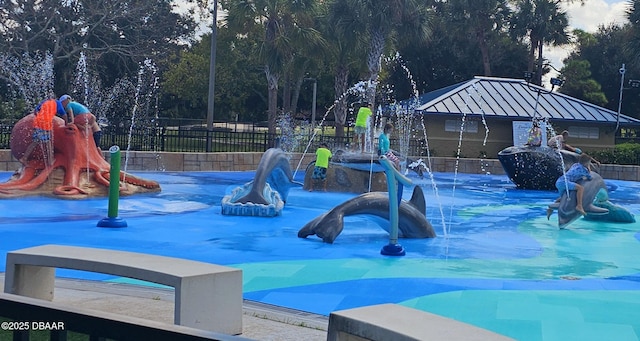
[[578, 171]]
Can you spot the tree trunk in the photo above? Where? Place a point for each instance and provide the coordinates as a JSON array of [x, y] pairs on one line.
[[373, 63], [532, 53], [295, 94], [484, 50], [340, 87], [272, 81], [540, 61], [286, 93]]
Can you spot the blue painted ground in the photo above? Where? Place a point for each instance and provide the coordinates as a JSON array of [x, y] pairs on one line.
[[497, 262]]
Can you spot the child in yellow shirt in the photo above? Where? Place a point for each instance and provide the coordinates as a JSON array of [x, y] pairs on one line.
[[323, 154]]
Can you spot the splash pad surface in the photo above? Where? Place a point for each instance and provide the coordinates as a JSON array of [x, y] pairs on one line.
[[501, 266]]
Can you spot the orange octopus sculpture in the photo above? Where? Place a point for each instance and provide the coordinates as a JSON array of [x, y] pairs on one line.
[[77, 171]]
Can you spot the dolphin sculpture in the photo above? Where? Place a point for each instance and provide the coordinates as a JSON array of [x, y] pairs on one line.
[[274, 168], [616, 214], [567, 212], [412, 220]]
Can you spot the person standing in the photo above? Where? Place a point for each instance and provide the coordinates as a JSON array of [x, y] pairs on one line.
[[361, 124], [82, 117], [323, 154]]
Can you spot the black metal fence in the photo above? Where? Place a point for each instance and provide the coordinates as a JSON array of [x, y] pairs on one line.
[[249, 137], [196, 138]]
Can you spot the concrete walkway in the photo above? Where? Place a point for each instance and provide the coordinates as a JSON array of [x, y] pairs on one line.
[[260, 321]]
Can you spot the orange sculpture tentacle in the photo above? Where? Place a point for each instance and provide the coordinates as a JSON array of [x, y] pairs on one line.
[[75, 154]]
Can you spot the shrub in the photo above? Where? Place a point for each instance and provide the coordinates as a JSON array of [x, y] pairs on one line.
[[622, 154]]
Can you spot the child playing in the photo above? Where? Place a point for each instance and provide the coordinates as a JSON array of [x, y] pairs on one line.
[[44, 114], [323, 154], [82, 117], [361, 124], [535, 135], [578, 171], [384, 145], [385, 149]]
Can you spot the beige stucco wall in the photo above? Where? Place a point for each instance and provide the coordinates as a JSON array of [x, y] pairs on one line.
[[606, 136], [445, 143], [200, 162]]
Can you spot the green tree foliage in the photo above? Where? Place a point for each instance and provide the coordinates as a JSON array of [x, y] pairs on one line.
[[579, 83], [633, 44], [281, 27], [240, 86], [346, 48], [115, 35], [381, 22], [541, 22], [449, 58], [481, 21], [605, 53]]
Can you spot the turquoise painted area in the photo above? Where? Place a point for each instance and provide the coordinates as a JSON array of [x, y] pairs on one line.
[[542, 315], [497, 262]]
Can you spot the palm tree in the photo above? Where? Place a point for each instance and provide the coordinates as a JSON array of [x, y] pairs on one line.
[[346, 47], [543, 22], [633, 13], [282, 24], [480, 19], [381, 21]]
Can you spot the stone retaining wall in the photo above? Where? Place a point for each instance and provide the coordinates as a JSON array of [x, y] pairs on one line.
[[200, 162]]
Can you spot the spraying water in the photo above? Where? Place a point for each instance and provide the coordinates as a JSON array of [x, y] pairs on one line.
[[358, 89], [81, 91], [30, 76], [143, 104]]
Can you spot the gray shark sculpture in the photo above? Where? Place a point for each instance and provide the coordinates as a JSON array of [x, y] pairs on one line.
[[274, 168], [567, 212], [412, 220]]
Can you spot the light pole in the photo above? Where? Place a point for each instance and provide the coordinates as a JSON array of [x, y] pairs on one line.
[[528, 76], [622, 70], [633, 84], [212, 75], [313, 102]]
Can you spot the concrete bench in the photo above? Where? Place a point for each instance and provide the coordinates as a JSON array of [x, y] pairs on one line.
[[392, 322], [207, 296]]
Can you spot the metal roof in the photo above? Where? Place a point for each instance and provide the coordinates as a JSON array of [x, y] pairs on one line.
[[512, 99]]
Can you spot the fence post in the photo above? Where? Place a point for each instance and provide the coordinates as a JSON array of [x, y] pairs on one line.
[[163, 132]]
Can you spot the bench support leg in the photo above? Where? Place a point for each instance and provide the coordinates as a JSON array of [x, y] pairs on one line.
[[31, 281], [199, 303]]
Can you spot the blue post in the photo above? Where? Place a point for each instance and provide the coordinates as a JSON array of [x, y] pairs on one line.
[[393, 178], [114, 192]]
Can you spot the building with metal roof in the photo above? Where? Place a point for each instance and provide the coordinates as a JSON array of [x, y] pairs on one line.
[[495, 111]]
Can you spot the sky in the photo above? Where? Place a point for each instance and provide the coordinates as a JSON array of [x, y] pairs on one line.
[[588, 17]]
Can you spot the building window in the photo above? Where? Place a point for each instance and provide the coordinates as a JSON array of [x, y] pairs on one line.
[[584, 132], [454, 126]]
